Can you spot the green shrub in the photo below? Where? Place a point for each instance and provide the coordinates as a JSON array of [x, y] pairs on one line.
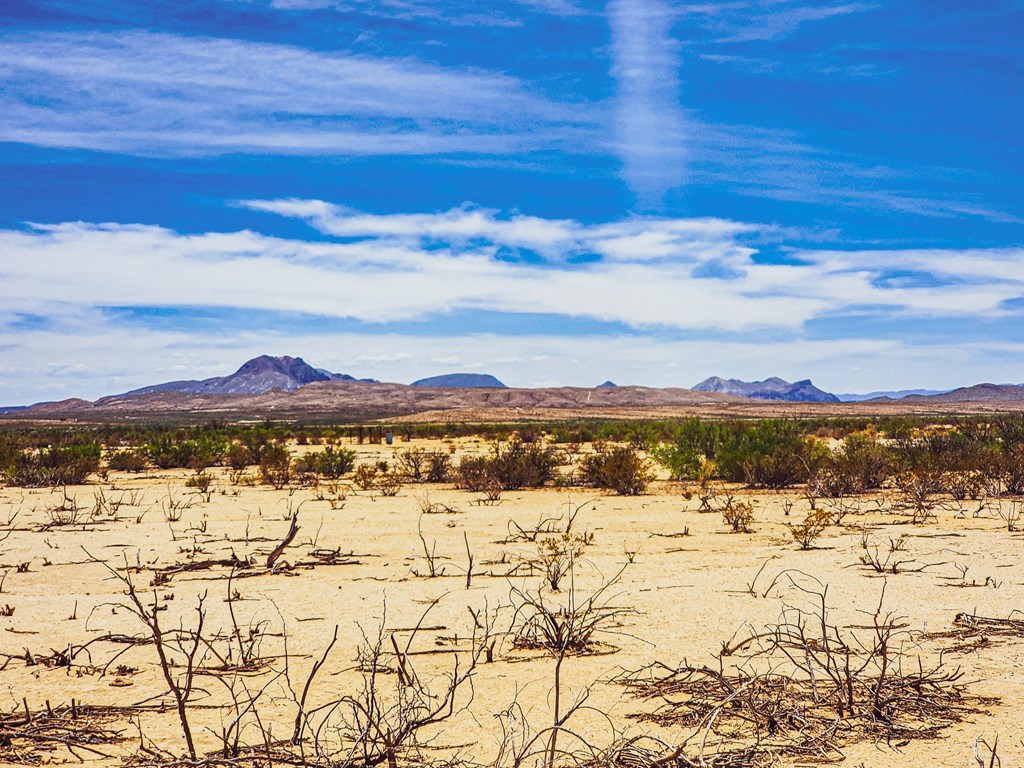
[[169, 452], [239, 456], [275, 465], [56, 465], [516, 464], [693, 442], [130, 460], [474, 473], [619, 468], [331, 462], [806, 532]]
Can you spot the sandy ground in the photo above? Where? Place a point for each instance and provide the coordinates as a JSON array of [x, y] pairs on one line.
[[686, 594]]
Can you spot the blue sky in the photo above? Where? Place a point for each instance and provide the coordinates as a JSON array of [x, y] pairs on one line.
[[552, 191]]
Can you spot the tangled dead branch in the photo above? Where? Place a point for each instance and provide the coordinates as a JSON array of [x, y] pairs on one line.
[[803, 688], [31, 738]]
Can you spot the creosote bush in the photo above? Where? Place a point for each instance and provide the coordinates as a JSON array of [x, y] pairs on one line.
[[806, 532], [276, 466], [738, 515], [128, 460], [510, 466], [55, 465], [331, 462], [618, 468]]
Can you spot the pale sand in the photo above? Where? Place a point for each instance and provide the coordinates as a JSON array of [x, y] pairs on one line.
[[689, 594]]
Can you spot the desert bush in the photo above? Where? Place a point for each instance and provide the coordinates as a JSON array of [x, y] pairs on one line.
[[388, 483], [516, 464], [423, 466], [276, 466], [619, 468], [438, 467], [474, 473], [378, 723], [557, 555], [331, 462], [127, 461], [239, 456], [1011, 469], [806, 532], [693, 442], [365, 476], [738, 515], [918, 489], [202, 483], [860, 464], [166, 451], [412, 463], [890, 559], [962, 485], [512, 465], [56, 465], [767, 454], [804, 685]]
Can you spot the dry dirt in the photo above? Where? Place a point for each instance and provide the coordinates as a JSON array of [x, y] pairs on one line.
[[686, 594]]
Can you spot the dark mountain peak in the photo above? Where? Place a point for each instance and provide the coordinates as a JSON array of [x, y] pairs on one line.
[[254, 377], [463, 380], [607, 384], [772, 388], [293, 367]]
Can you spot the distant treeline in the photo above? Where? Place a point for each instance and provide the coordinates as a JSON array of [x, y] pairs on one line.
[[966, 457]]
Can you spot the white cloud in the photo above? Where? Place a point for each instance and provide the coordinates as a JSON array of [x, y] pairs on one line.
[[145, 92], [636, 239], [681, 274], [654, 275]]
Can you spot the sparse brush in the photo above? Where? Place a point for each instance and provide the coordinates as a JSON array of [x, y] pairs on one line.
[[806, 532], [67, 512], [365, 476], [557, 555], [918, 489], [738, 515], [889, 559], [802, 686], [203, 485]]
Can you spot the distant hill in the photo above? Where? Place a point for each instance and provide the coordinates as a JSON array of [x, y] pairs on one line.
[[256, 376], [462, 380], [979, 393], [890, 394], [607, 384], [773, 388]]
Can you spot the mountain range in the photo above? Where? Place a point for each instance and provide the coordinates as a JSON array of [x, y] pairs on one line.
[[889, 394], [772, 388], [288, 385]]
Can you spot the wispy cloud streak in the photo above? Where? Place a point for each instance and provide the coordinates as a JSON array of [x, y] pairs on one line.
[[157, 93], [650, 134]]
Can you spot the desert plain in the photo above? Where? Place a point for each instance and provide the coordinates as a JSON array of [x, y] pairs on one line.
[[321, 651]]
